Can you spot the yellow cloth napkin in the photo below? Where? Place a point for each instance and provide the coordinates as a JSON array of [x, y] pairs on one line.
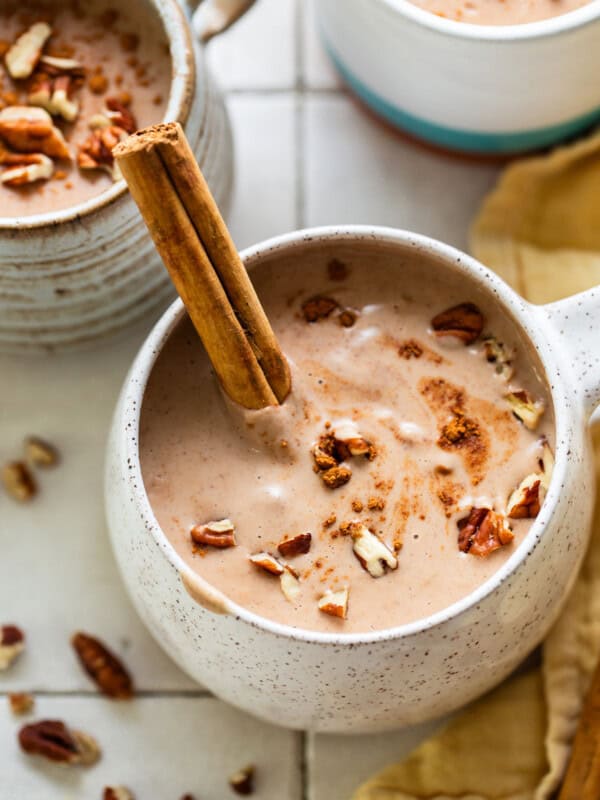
[[540, 230]]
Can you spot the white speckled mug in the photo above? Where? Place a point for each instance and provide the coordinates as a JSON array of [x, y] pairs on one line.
[[399, 676], [78, 275]]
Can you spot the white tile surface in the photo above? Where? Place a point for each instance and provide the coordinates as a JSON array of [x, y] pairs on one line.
[[318, 71], [306, 154], [339, 764], [259, 51], [358, 170], [264, 199], [158, 747]]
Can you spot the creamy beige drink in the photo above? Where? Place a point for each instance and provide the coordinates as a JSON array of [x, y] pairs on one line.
[[499, 12], [403, 470], [75, 78]]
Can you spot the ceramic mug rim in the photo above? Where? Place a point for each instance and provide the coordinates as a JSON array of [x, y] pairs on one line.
[[501, 34], [522, 310], [183, 75]]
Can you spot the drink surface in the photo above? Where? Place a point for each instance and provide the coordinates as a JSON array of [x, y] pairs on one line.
[[499, 12], [122, 54], [442, 436]]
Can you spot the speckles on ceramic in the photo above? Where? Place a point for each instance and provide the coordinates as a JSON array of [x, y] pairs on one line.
[[79, 275], [394, 677]]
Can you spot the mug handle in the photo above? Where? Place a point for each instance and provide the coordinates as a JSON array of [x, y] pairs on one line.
[[211, 17], [575, 321]]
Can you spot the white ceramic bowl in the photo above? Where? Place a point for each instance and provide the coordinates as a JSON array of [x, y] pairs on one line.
[[78, 275], [473, 88], [404, 675]]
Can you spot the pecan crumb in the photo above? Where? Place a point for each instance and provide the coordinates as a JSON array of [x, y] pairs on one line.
[[347, 318], [410, 349], [40, 452], [375, 503], [357, 506], [98, 83], [482, 532], [12, 644], [104, 668], [458, 430], [329, 521], [335, 477], [18, 481], [319, 307], [21, 703], [242, 781], [463, 321]]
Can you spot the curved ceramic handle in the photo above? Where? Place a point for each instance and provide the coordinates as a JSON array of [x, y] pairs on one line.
[[576, 321], [215, 16]]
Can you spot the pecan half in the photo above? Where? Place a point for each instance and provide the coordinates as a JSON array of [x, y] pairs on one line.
[[117, 793], [12, 644], [242, 781], [18, 481], [482, 532], [373, 554], [28, 168], [334, 603], [318, 307], [21, 703], [40, 452], [96, 151], [218, 533], [295, 546], [526, 408], [22, 57], [464, 322], [527, 498], [500, 356], [30, 129], [53, 740], [290, 585], [267, 562], [104, 668]]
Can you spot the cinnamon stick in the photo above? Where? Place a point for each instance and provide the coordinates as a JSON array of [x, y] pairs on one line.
[[195, 245], [582, 779]]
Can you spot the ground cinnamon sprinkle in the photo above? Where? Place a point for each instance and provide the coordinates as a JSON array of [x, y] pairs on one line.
[[465, 434], [331, 520], [376, 504], [410, 349]]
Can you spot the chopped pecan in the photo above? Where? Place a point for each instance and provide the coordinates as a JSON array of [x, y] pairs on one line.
[[98, 83], [498, 354], [324, 452], [18, 481], [21, 703], [22, 57], [334, 603], [373, 554], [335, 477], [527, 498], [267, 562], [526, 409], [290, 585], [54, 94], [120, 115], [53, 65], [103, 667], [482, 532], [347, 318], [296, 545], [318, 307], [12, 644], [26, 168], [218, 533], [348, 442], [40, 452], [96, 151], [242, 781], [30, 129], [117, 793], [53, 740], [464, 322]]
